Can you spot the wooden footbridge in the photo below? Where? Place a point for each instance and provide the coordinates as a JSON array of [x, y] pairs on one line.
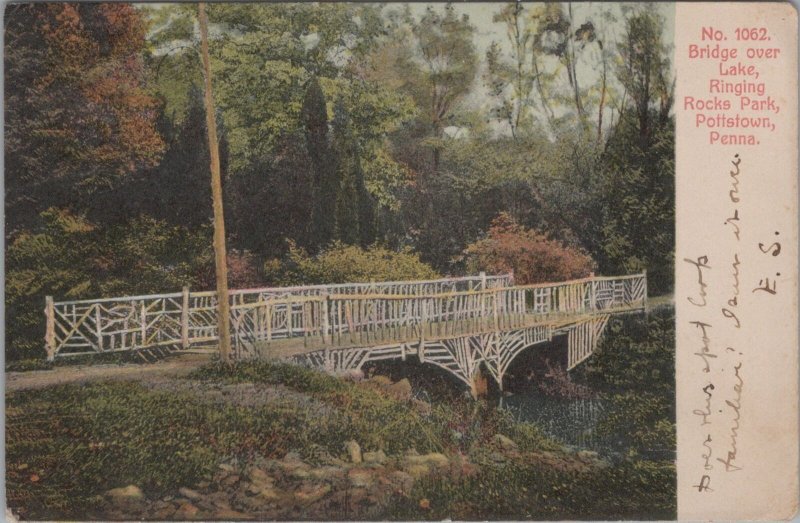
[[458, 324]]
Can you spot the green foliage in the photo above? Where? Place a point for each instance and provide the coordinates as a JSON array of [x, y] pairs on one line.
[[348, 263], [637, 354], [83, 436], [530, 255], [538, 488], [327, 178], [28, 365], [638, 229], [68, 257], [635, 367]]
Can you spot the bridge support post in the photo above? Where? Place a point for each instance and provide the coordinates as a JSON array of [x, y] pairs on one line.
[[479, 384], [185, 318], [50, 329]]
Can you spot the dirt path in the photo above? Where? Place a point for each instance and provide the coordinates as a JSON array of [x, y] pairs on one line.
[[174, 366]]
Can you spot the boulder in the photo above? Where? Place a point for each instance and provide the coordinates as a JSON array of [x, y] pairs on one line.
[[228, 514], [189, 493], [230, 481], [353, 450], [434, 459], [260, 477], [383, 381], [360, 477], [375, 457], [352, 375], [129, 493], [310, 492], [504, 442], [326, 473], [400, 390], [417, 470], [186, 511], [403, 481]]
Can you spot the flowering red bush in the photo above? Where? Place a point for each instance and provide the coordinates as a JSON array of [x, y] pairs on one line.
[[243, 272], [532, 256]]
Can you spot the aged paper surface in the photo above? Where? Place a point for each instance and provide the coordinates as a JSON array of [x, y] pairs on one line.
[[736, 260]]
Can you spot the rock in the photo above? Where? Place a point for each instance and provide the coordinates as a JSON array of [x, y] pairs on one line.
[[292, 457], [591, 458], [504, 442], [417, 470], [292, 465], [189, 493], [352, 375], [218, 499], [299, 472], [435, 459], [383, 381], [310, 492], [402, 480], [228, 514], [230, 481], [353, 450], [129, 493], [269, 494], [186, 511], [260, 476], [375, 457], [326, 473], [163, 514], [400, 390], [360, 477]]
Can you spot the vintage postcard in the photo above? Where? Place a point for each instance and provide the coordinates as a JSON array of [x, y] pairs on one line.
[[287, 261]]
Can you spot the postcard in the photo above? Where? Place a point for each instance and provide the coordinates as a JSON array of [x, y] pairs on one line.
[[295, 261]]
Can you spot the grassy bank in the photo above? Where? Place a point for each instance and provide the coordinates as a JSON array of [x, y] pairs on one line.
[[67, 445]]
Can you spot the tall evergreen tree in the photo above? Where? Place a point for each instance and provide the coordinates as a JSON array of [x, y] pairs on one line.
[[180, 191], [326, 180], [355, 214]]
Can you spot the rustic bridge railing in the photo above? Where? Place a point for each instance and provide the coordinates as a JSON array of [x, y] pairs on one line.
[[339, 320], [189, 318]]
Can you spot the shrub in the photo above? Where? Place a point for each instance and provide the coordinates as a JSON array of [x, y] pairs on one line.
[[531, 256], [635, 367], [69, 257], [243, 272], [348, 263]]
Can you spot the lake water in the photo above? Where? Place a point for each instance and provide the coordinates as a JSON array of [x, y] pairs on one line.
[[570, 421]]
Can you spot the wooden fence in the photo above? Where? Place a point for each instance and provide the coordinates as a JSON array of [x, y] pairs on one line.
[[190, 318]]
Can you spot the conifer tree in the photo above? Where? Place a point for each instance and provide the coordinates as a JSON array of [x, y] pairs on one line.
[[325, 181]]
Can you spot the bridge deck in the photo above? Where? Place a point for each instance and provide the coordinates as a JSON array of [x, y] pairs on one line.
[[286, 348]]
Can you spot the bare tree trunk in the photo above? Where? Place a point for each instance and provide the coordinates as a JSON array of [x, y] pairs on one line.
[[602, 103], [223, 306]]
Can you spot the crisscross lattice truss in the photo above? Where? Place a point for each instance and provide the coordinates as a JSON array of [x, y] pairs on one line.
[[458, 324]]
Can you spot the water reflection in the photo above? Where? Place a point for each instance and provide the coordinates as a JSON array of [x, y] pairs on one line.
[[570, 421]]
